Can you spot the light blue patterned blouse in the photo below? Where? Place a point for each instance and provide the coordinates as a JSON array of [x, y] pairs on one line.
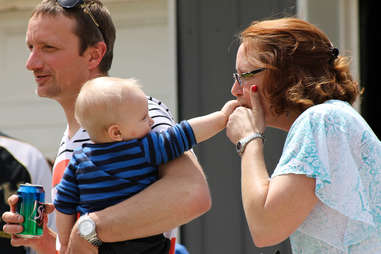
[[332, 143]]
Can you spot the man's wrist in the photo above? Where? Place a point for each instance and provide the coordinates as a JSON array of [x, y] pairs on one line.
[[46, 244], [88, 230], [98, 223]]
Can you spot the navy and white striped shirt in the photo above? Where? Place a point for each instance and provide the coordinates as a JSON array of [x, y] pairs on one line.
[[101, 175]]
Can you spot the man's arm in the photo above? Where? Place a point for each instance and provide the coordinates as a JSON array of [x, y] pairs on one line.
[[179, 196], [65, 223]]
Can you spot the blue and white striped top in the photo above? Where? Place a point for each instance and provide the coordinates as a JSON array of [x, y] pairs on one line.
[[101, 175]]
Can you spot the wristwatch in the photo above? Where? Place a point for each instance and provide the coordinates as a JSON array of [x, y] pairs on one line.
[[86, 227], [241, 145]]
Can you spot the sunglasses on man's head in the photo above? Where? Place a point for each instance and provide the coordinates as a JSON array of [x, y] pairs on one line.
[[68, 4]]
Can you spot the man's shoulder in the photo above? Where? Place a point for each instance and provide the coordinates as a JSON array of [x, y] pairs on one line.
[[155, 104], [160, 113], [68, 145]]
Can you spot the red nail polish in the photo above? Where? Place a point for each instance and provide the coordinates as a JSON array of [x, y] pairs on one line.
[[254, 88]]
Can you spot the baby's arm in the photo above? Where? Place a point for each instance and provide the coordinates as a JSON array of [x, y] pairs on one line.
[[65, 223], [205, 127]]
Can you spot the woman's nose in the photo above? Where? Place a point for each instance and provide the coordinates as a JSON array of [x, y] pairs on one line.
[[236, 89]]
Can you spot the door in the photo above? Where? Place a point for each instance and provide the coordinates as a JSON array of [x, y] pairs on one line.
[[207, 46]]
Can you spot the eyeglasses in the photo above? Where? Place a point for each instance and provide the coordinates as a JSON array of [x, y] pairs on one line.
[[238, 77], [68, 4]]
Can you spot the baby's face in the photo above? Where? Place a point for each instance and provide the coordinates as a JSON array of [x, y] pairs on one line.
[[137, 123]]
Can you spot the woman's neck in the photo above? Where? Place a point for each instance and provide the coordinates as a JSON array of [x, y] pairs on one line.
[[284, 121]]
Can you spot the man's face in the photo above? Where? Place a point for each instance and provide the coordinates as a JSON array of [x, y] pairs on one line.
[[54, 58]]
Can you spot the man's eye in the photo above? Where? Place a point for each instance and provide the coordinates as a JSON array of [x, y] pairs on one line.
[[48, 47]]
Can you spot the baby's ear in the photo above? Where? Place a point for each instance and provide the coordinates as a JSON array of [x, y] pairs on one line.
[[114, 132]]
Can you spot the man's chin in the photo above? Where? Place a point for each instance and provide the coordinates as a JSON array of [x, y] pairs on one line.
[[38, 93], [41, 93]]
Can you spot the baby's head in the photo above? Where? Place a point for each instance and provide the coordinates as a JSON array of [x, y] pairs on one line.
[[113, 109]]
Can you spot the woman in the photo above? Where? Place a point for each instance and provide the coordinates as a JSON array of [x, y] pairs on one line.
[[325, 193]]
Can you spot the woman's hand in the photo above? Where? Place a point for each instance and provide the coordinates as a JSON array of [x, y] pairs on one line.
[[244, 121]]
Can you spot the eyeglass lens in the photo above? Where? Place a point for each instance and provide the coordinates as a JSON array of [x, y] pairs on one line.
[[237, 78]]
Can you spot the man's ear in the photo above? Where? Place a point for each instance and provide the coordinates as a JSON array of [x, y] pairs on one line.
[[114, 132], [96, 54]]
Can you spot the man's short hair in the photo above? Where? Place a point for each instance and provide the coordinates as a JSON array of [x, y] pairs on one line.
[[86, 29]]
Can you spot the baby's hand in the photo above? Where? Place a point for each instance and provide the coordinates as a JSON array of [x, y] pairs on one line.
[[229, 107]]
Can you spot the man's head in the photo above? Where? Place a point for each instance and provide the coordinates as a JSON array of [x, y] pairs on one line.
[[113, 109], [93, 24], [67, 48]]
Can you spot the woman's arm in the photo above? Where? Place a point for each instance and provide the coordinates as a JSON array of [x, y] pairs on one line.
[[274, 208]]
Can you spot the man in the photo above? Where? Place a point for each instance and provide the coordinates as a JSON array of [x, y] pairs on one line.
[[20, 163], [69, 46]]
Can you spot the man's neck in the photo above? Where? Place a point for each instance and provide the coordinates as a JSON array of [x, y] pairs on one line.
[[73, 125], [68, 107]]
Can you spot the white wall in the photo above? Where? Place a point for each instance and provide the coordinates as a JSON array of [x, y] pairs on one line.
[[339, 19], [144, 49]]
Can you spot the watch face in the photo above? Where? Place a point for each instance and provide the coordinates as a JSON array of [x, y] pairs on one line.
[[239, 146], [86, 227]]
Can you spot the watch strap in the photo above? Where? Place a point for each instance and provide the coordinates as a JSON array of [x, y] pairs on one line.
[[242, 143], [94, 240]]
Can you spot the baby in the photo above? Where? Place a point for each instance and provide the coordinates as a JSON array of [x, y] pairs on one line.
[[125, 154]]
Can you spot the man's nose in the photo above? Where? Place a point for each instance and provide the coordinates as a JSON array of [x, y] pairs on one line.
[[34, 61]]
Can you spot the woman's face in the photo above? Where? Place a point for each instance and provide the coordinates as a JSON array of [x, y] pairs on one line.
[[242, 92]]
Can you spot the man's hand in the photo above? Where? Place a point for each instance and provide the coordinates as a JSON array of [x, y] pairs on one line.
[[44, 244]]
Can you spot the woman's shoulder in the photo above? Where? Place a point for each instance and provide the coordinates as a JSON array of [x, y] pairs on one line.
[[330, 107], [331, 110]]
